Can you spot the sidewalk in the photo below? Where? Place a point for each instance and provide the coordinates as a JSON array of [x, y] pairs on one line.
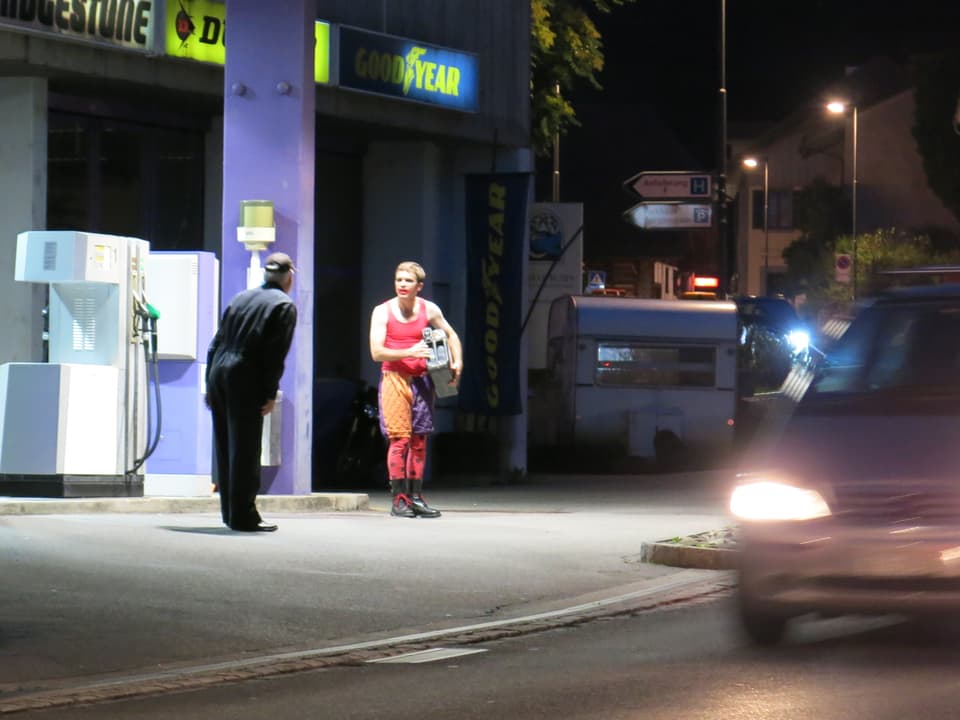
[[474, 493], [456, 493], [315, 502]]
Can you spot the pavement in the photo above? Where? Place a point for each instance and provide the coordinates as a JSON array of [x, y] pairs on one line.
[[703, 550], [547, 551]]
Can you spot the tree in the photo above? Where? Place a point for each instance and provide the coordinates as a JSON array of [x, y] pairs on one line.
[[936, 128], [883, 249], [565, 49], [821, 211]]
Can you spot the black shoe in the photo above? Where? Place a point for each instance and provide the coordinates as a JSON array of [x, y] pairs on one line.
[[421, 509], [401, 507], [259, 527]]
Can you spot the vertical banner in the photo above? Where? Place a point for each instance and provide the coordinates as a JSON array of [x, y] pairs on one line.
[[496, 215]]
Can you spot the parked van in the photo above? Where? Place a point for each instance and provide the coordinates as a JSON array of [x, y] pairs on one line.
[[639, 377]]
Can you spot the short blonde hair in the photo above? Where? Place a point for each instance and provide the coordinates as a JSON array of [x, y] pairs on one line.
[[413, 268]]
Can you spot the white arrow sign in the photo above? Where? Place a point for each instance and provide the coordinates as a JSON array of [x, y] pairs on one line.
[[671, 184], [670, 215]]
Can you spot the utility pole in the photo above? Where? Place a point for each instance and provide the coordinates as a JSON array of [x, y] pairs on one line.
[[724, 227], [555, 195]]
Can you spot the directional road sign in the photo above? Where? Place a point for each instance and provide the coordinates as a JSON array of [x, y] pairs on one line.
[[670, 215], [671, 185]]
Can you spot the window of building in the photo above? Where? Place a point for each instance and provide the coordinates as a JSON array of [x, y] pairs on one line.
[[779, 211], [655, 365], [124, 178]]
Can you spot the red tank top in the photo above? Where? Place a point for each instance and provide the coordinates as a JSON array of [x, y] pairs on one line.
[[402, 335]]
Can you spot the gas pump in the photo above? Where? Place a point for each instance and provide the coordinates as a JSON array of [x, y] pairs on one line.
[[77, 426]]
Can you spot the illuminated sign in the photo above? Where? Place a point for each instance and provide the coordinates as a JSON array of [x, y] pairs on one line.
[[120, 23], [197, 29], [401, 68]]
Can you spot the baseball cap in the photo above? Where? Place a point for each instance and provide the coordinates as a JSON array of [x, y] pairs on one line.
[[279, 262]]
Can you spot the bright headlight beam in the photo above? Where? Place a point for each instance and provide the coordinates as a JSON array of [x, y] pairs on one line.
[[799, 340], [767, 500]]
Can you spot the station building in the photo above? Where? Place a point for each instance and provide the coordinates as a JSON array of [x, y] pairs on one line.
[[112, 120]]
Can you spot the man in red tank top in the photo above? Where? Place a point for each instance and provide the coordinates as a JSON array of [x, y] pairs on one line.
[[406, 394]]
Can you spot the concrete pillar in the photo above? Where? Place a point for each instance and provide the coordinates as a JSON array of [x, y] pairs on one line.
[[268, 154], [23, 206]]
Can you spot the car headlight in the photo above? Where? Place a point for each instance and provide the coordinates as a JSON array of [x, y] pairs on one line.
[[766, 500], [799, 341]]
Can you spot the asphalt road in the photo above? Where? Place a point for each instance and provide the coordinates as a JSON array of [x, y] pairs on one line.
[[110, 597], [687, 661]]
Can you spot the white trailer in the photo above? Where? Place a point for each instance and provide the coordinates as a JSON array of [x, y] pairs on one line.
[[639, 376]]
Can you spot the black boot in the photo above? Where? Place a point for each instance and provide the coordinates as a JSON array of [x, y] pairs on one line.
[[417, 502], [402, 506]]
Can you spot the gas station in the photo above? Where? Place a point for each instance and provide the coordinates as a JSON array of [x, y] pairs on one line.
[[347, 150]]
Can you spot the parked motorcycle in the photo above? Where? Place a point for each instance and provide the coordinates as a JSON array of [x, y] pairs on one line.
[[362, 458]]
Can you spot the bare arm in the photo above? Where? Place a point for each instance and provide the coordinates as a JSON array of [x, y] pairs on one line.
[[437, 320], [378, 336]]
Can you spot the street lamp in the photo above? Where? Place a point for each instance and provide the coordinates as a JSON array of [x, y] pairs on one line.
[[752, 163], [839, 107]]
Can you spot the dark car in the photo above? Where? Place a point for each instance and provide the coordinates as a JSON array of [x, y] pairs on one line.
[[773, 312], [772, 340], [855, 506]]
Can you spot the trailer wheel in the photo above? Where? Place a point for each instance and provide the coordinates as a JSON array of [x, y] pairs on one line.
[[669, 450]]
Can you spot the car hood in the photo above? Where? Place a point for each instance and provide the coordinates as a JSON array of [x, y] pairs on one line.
[[871, 436]]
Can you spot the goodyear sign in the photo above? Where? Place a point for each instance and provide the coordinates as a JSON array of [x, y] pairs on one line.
[[401, 68], [121, 23], [197, 30], [496, 215]]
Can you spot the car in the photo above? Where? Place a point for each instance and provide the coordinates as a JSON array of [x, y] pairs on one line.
[[772, 340], [775, 314], [853, 506]]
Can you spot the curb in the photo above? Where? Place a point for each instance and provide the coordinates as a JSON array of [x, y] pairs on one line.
[[688, 556], [315, 502]]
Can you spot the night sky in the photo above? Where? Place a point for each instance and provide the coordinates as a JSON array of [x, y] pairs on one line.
[[660, 104], [778, 52]]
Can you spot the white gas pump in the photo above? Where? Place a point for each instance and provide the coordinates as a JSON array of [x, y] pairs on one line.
[[77, 425]]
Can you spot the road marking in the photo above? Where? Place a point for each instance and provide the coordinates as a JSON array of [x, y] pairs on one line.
[[425, 656], [701, 584]]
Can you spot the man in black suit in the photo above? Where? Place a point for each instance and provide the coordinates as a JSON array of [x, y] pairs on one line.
[[244, 365]]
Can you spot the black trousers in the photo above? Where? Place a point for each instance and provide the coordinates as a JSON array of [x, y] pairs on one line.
[[237, 428]]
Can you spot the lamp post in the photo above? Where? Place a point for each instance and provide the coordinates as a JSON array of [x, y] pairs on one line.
[[722, 200], [752, 163], [839, 107]]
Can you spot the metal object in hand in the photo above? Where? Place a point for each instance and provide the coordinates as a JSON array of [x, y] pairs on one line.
[[438, 364]]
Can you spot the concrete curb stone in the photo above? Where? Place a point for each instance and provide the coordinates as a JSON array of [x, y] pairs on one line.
[[315, 502], [686, 556]]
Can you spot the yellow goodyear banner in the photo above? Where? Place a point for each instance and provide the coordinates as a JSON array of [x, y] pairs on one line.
[[197, 29]]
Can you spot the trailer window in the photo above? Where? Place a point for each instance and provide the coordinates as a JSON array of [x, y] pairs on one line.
[[655, 365]]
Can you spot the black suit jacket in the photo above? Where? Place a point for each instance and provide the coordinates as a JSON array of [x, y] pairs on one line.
[[252, 342]]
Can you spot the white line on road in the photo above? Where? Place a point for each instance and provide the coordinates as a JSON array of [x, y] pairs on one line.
[[185, 677], [425, 656]]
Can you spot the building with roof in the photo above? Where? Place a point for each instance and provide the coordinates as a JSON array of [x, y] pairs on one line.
[[892, 187]]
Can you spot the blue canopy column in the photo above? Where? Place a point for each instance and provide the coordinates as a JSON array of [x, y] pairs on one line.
[[268, 154]]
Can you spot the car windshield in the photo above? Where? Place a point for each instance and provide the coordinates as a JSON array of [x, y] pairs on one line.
[[893, 346], [772, 312]]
